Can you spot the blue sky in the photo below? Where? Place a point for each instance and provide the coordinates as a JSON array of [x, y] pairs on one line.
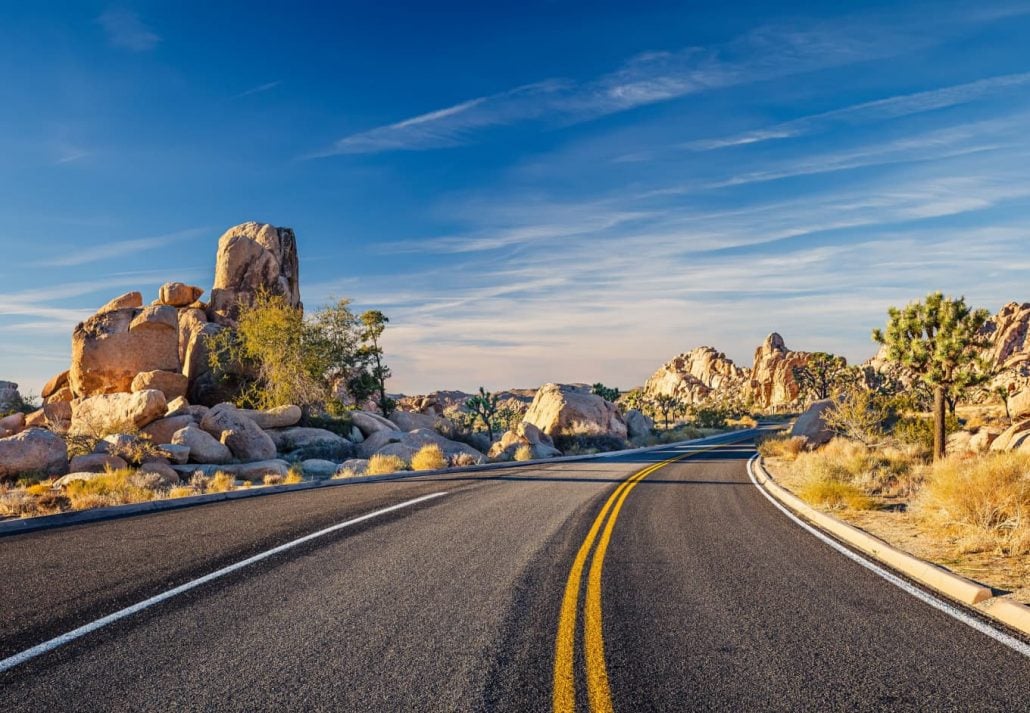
[[532, 191]]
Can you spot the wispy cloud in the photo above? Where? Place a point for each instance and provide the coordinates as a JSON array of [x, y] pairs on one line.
[[881, 109], [118, 248], [125, 30], [261, 88], [645, 79]]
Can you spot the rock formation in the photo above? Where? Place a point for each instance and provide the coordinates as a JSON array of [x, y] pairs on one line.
[[253, 257], [772, 376], [559, 410], [693, 376]]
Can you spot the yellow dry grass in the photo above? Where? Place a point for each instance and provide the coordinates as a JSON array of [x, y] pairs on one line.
[[429, 457], [381, 464], [524, 452]]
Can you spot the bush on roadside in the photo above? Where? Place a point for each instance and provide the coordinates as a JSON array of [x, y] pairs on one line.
[[918, 431], [293, 476], [834, 494], [524, 452], [114, 487], [429, 457], [381, 464], [782, 445], [587, 444], [463, 460], [984, 501], [220, 482]]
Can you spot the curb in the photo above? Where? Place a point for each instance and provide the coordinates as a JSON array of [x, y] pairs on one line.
[[954, 586], [79, 517]]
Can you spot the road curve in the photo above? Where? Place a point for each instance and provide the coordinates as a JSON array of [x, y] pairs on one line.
[[706, 598]]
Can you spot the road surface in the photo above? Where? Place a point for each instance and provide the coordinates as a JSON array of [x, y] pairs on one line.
[[490, 596]]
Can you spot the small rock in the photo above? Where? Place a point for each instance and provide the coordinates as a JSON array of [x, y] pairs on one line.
[[204, 448], [178, 294]]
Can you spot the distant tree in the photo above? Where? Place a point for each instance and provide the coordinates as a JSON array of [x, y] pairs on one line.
[[666, 405], [370, 382], [1002, 392], [822, 375], [484, 406], [938, 339], [606, 393]]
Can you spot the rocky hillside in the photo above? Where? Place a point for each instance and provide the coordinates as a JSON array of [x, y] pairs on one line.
[[705, 374]]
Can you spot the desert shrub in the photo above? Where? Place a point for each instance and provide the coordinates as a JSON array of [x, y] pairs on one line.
[[885, 471], [524, 452], [986, 500], [782, 445], [680, 433], [220, 482], [381, 464], [918, 430], [115, 487], [272, 479], [182, 491], [339, 423], [293, 476], [710, 417], [24, 502], [462, 460], [429, 457], [860, 415], [587, 443], [834, 494], [744, 421]]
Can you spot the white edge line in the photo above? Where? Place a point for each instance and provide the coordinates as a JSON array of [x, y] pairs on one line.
[[939, 604], [28, 654]]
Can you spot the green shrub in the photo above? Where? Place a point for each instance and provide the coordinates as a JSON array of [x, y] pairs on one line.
[[918, 430]]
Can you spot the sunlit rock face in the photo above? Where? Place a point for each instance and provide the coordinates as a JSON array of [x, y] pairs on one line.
[[693, 376], [253, 257]]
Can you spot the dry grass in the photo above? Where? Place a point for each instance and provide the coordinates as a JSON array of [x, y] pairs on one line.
[[782, 446], [272, 479], [984, 502], [293, 476], [834, 495], [429, 457], [220, 482], [524, 452], [114, 487], [381, 464], [182, 491], [743, 422], [462, 460]]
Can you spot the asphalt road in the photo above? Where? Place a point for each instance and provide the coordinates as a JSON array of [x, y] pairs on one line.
[[709, 599]]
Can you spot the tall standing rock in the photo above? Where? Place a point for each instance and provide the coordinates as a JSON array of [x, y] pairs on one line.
[[772, 377], [253, 257], [695, 375]]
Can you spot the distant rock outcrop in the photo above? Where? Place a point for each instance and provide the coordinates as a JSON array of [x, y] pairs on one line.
[[693, 376], [772, 376]]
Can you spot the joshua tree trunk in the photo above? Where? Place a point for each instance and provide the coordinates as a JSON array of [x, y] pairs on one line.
[[939, 406]]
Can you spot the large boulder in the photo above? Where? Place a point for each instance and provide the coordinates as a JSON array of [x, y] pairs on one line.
[[278, 417], [811, 425], [693, 376], [10, 425], [204, 448], [253, 257], [56, 383], [371, 445], [162, 430], [177, 294], [190, 321], [130, 300], [257, 470], [557, 410], [369, 423], [96, 463], [410, 443], [410, 420], [245, 438], [205, 388], [526, 434], [299, 443], [637, 424], [110, 348], [35, 450], [171, 383], [1012, 437], [1019, 404], [110, 413]]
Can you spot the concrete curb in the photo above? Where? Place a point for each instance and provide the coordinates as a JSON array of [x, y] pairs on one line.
[[954, 586], [79, 517]]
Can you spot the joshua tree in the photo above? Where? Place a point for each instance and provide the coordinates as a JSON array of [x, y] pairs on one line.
[[666, 405], [484, 406], [373, 380], [822, 375], [938, 339]]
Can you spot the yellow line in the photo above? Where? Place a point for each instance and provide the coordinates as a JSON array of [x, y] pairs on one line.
[[564, 695], [598, 690]]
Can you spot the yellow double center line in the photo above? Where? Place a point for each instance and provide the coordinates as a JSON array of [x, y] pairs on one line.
[[598, 690]]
